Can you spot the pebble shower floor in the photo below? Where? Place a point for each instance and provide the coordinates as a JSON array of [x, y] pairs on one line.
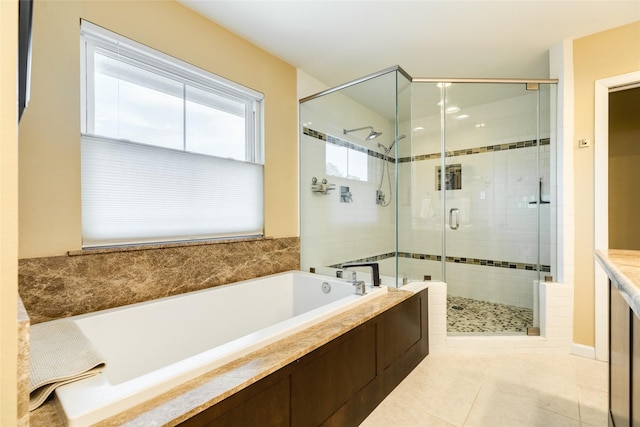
[[465, 315]]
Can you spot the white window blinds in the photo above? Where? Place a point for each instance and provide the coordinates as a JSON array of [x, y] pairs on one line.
[[169, 152]]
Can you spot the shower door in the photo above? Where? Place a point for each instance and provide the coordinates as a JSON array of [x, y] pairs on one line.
[[491, 182], [482, 181]]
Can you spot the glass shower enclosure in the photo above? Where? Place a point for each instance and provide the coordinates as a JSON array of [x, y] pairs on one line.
[[349, 143], [449, 180]]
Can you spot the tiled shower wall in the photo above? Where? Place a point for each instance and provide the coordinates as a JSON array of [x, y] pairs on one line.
[[333, 231], [62, 286]]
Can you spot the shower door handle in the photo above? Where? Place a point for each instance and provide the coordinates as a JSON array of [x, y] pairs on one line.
[[455, 211]]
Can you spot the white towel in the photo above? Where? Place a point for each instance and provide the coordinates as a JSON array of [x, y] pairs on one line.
[[60, 353]]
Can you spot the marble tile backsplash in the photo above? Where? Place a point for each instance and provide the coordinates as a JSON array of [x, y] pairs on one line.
[[23, 366], [63, 286]]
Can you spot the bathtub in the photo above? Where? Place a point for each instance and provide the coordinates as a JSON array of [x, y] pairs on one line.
[[154, 346]]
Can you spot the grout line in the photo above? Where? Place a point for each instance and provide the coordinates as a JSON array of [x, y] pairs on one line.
[[475, 399]]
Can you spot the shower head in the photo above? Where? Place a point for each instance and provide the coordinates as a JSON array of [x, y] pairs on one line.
[[372, 135]]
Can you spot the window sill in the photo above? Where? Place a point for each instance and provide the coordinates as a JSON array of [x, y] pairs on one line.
[[155, 246]]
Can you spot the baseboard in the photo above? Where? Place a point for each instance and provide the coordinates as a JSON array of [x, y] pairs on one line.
[[583, 350]]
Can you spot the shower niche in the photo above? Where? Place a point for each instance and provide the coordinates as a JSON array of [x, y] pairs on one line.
[[452, 177], [393, 140]]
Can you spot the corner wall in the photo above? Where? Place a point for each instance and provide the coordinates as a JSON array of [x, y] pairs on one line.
[[8, 214], [598, 56], [50, 204]]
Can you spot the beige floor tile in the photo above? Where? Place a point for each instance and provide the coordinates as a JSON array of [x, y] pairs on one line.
[[559, 399], [496, 408], [539, 369], [398, 412], [520, 390], [467, 367], [594, 406], [437, 394], [547, 382], [591, 373]]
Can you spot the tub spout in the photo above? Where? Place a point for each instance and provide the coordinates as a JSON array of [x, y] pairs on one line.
[[375, 270]]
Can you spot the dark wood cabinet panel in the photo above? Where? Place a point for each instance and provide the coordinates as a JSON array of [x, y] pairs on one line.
[[332, 375], [338, 384], [635, 372], [401, 354], [619, 359], [266, 403], [400, 330]]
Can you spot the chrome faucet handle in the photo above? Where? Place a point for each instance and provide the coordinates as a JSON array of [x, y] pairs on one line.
[[361, 288], [349, 275]]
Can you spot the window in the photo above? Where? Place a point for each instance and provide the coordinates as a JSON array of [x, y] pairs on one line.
[[346, 162], [169, 152]]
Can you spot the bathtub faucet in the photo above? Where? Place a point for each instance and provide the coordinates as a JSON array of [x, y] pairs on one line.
[[375, 270]]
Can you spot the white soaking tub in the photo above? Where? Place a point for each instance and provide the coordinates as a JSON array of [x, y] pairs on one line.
[[151, 347]]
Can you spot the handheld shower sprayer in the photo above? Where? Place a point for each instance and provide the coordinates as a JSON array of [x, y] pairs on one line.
[[388, 150], [380, 196], [372, 135]]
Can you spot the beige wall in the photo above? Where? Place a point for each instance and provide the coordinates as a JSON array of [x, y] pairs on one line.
[[50, 205], [8, 213], [606, 54]]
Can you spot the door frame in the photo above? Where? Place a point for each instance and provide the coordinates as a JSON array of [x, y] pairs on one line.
[[601, 203]]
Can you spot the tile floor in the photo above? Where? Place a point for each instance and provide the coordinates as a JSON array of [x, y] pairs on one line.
[[498, 390], [466, 315]]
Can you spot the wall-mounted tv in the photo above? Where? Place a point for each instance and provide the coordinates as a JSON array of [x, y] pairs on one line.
[[25, 13]]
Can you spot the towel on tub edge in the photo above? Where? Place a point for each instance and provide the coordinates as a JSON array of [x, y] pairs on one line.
[[60, 353]]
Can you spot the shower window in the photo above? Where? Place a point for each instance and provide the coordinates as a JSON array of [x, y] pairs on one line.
[[346, 162], [170, 152]]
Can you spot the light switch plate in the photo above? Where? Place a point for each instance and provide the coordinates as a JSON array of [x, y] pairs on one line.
[[584, 143]]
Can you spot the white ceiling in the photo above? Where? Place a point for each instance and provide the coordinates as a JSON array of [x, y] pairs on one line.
[[339, 41]]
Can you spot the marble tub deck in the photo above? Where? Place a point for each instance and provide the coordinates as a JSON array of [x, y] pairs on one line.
[[205, 391], [623, 267]]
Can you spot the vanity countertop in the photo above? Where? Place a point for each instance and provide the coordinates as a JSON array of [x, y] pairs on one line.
[[623, 268], [192, 397]]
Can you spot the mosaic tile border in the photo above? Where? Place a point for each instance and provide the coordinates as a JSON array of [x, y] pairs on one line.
[[464, 152], [478, 150], [455, 260], [367, 259], [342, 143]]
